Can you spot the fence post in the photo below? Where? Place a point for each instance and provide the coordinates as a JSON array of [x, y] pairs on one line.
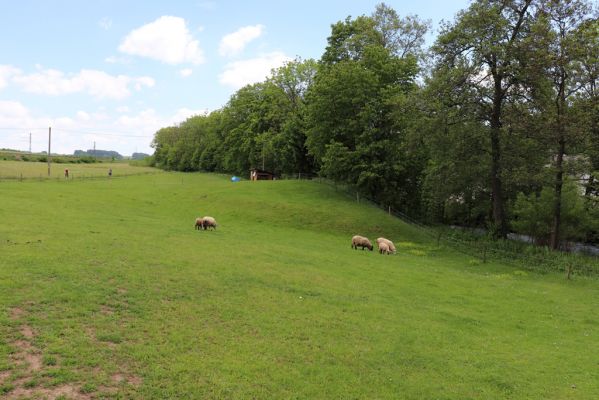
[[569, 271], [357, 197], [484, 252], [439, 237]]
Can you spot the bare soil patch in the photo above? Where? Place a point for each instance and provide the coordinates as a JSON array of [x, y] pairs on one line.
[[16, 313]]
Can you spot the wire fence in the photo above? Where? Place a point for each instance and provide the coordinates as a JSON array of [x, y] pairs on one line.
[[481, 247], [72, 176]]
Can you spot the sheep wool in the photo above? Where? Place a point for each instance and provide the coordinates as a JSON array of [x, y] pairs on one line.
[[388, 243], [361, 241], [383, 248], [209, 222]]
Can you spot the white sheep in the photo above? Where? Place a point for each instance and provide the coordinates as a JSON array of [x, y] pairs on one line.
[[388, 243], [383, 248], [209, 222], [360, 241]]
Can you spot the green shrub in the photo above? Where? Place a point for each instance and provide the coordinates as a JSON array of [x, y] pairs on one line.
[[534, 214]]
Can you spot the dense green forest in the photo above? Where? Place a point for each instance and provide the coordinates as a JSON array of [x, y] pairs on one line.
[[496, 125]]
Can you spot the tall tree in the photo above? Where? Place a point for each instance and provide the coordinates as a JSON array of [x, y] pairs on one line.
[[483, 47], [403, 37], [565, 53], [587, 102], [352, 131]]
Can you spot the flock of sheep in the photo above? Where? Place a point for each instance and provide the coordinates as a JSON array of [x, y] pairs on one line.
[[385, 245]]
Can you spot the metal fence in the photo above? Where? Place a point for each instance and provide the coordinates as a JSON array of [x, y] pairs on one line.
[[482, 248]]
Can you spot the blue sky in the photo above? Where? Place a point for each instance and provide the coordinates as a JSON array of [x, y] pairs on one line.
[[113, 72]]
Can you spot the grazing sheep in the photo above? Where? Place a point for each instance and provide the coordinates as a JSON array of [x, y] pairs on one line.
[[360, 241], [209, 222], [199, 223], [388, 243], [383, 248]]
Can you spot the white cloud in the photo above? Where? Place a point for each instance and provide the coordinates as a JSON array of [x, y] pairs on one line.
[[117, 60], [122, 109], [240, 73], [96, 83], [144, 81], [186, 72], [6, 73], [83, 116], [233, 43], [105, 23], [167, 39], [12, 109]]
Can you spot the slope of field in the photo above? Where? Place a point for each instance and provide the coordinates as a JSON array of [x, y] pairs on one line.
[[107, 291]]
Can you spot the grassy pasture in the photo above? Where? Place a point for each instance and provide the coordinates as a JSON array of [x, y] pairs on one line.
[[29, 170], [107, 291]]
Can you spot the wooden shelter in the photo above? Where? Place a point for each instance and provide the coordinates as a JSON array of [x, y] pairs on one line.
[[261, 175]]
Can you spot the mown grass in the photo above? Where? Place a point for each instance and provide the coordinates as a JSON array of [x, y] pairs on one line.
[[17, 170], [127, 300]]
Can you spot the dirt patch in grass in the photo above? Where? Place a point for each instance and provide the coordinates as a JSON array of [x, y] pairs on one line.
[[26, 355], [27, 332], [26, 378], [68, 391], [16, 313], [120, 378], [106, 310], [28, 360], [134, 380]]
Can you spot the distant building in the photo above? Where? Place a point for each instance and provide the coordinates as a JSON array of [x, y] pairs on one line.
[[261, 175]]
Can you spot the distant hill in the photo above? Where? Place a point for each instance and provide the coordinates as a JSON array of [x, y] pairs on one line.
[[98, 153], [139, 156]]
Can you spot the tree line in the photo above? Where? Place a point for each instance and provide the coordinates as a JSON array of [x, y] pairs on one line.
[[496, 125]]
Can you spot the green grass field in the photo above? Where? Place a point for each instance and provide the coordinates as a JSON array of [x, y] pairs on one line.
[[107, 291], [15, 170]]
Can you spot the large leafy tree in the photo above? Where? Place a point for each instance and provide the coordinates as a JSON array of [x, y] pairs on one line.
[[563, 20], [365, 73], [481, 52]]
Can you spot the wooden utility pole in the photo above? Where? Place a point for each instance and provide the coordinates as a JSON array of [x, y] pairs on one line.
[[49, 143]]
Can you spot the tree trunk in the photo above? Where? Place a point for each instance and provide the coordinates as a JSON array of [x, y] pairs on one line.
[[557, 205], [500, 229], [559, 165]]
